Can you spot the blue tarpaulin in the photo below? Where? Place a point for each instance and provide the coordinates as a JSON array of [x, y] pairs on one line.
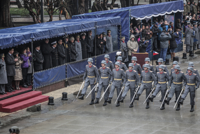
[[50, 76], [138, 12], [12, 37]]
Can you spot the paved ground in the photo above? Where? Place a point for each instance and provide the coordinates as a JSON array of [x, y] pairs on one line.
[[77, 117]]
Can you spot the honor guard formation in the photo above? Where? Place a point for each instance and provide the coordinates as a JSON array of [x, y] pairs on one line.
[[135, 78]]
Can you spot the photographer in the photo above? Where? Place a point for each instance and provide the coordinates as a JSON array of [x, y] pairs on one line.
[[155, 31], [143, 45], [173, 44]]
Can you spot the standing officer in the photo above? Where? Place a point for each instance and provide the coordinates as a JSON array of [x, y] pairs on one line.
[[191, 84], [160, 62], [176, 80], [131, 82], [103, 80], [118, 76], [191, 64], [108, 62], [121, 64], [90, 76], [196, 30], [173, 65], [147, 61], [147, 77], [161, 85], [136, 66], [189, 34]]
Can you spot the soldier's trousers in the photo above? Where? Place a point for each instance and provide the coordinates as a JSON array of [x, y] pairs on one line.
[[85, 89], [132, 90], [162, 88], [190, 89], [99, 91], [189, 48], [148, 90], [2, 88], [175, 88], [113, 87]]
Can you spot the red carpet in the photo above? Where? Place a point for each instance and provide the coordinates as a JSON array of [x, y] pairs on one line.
[[22, 101]]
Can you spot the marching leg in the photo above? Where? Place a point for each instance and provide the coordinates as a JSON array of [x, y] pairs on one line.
[[98, 94], [183, 96], [163, 92], [84, 90], [148, 90], [170, 95], [124, 94], [118, 91], [105, 96], [92, 95], [192, 103], [155, 93], [111, 93], [131, 96], [139, 92]]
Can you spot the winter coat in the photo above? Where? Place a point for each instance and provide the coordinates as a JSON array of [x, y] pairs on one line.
[[38, 60], [54, 55], [3, 74], [18, 70], [143, 46], [30, 69], [131, 46], [67, 57], [155, 31], [196, 34], [173, 40], [189, 35], [25, 58], [187, 8], [124, 50], [84, 46], [72, 51], [78, 50], [61, 54], [46, 51], [90, 44], [164, 40], [109, 43], [10, 65], [99, 46]]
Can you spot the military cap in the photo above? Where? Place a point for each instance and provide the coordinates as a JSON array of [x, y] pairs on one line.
[[103, 62], [147, 59], [177, 67], [78, 36], [90, 60], [72, 38], [190, 68], [175, 63], [117, 63], [83, 34], [130, 64], [162, 67], [146, 65], [119, 58], [134, 58], [52, 43], [66, 36], [106, 56], [191, 64], [160, 60]]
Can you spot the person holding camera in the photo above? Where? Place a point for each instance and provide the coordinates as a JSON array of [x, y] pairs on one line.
[[173, 44], [143, 45]]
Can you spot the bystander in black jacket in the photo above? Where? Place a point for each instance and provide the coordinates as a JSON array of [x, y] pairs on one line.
[[173, 44], [54, 55], [84, 46], [46, 51], [38, 60], [67, 57], [90, 44], [61, 54], [72, 51], [99, 46], [143, 45]]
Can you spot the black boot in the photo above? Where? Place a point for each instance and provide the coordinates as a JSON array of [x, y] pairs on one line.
[[131, 105], [137, 97], [147, 106], [105, 103], [184, 56], [192, 108], [81, 97], [151, 98], [167, 101], [118, 104], [178, 107], [97, 101], [109, 100], [181, 101], [163, 107], [191, 53], [122, 100], [167, 62], [92, 102]]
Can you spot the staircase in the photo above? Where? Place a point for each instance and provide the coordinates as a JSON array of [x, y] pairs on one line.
[[22, 101]]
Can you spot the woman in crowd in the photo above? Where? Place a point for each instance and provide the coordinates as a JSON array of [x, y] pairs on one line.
[[124, 50], [3, 74], [30, 69], [78, 48], [132, 46], [72, 50], [18, 70], [173, 44]]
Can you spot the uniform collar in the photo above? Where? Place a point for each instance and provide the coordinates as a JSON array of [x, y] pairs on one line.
[[106, 61], [130, 70], [117, 69], [161, 72], [190, 74], [147, 71], [90, 66], [103, 67], [177, 72]]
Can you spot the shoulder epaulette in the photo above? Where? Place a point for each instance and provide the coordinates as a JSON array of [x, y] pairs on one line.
[[172, 68], [194, 74], [150, 71], [157, 72], [122, 63], [181, 71], [134, 70], [126, 70], [121, 69], [195, 69], [107, 67], [165, 72], [94, 66], [110, 61], [138, 64]]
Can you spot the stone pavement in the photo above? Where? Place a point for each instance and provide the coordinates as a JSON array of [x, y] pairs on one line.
[[77, 117]]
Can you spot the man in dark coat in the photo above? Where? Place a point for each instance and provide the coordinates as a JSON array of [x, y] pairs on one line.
[[84, 45], [66, 46], [173, 44], [10, 68], [100, 44], [90, 43], [154, 36], [72, 50], [143, 45], [61, 52], [46, 51], [38, 59], [54, 54]]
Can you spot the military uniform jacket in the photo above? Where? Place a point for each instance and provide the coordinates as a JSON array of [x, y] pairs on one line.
[[151, 68], [110, 65], [195, 71], [192, 80], [104, 75], [176, 79], [123, 66], [118, 76], [165, 69], [172, 70], [91, 73], [147, 77], [162, 78], [131, 77], [137, 68]]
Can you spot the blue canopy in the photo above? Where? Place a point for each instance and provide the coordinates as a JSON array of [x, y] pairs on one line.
[[138, 12], [11, 37]]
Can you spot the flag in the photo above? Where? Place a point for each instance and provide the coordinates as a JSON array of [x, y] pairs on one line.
[[155, 53]]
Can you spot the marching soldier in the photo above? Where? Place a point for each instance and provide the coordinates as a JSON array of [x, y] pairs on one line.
[[147, 77], [160, 62], [136, 66], [118, 76], [122, 65], [147, 61], [173, 65], [90, 76], [191, 64], [131, 82], [161, 85], [103, 80], [108, 62], [176, 80], [191, 84]]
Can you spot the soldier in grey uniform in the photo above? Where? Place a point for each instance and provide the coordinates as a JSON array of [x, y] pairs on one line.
[[147, 61], [160, 62], [90, 76], [108, 62], [173, 65], [176, 81], [191, 85], [136, 66], [117, 78], [131, 82], [161, 85], [196, 35], [122, 65], [189, 35], [109, 43], [147, 77], [191, 64], [103, 80]]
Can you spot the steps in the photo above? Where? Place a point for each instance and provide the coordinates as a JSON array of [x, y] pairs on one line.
[[22, 101]]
